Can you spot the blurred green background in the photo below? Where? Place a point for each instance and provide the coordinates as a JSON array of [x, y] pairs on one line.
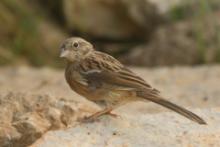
[[137, 32]]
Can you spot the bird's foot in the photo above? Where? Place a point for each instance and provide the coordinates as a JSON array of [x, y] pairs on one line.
[[94, 117]]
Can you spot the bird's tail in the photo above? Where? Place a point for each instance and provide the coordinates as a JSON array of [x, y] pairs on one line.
[[157, 99]]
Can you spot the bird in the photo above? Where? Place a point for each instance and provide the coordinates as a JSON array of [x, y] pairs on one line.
[[101, 78]]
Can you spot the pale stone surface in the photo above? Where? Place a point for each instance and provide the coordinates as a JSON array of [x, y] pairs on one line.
[[35, 101], [140, 130], [24, 117]]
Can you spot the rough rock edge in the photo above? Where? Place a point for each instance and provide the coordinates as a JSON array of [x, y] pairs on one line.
[[161, 130]]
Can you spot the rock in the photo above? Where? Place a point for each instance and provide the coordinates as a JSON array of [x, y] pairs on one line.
[[8, 134], [32, 126], [186, 42], [40, 101], [54, 115], [187, 37], [161, 130], [179, 48], [29, 116], [113, 19]]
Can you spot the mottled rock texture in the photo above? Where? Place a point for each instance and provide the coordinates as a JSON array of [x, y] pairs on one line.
[[36, 105], [139, 130]]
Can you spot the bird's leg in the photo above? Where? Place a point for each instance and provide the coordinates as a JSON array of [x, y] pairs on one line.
[[94, 116]]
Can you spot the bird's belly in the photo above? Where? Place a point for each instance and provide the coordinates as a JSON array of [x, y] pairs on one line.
[[103, 97], [116, 98]]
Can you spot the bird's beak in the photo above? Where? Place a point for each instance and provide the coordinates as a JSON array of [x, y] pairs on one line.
[[64, 53]]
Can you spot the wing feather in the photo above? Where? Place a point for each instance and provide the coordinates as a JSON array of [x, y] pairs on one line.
[[105, 69]]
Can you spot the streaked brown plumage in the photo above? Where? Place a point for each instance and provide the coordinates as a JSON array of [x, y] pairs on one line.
[[101, 78]]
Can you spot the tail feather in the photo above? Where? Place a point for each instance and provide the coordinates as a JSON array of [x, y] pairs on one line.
[[188, 114]]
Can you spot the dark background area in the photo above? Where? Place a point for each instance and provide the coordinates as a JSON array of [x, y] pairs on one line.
[[140, 32]]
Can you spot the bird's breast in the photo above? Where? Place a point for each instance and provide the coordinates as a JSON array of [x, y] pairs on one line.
[[76, 82]]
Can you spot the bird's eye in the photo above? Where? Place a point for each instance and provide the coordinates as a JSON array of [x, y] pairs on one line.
[[75, 44]]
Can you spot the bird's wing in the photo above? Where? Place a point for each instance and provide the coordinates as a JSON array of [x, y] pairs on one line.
[[103, 69]]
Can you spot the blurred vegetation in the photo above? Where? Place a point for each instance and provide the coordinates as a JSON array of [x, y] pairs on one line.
[[31, 31], [21, 35], [206, 26], [22, 25]]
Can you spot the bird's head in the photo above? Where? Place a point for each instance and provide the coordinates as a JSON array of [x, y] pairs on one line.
[[75, 48]]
